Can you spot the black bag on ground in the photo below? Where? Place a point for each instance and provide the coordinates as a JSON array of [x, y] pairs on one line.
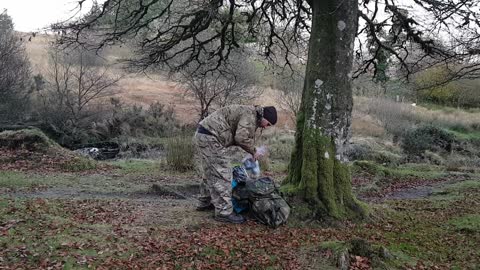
[[264, 200]]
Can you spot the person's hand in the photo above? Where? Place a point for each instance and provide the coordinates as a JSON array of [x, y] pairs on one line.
[[256, 156]]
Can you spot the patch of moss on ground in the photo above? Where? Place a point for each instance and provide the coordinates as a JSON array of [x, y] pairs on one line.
[[32, 139], [336, 246], [406, 170]]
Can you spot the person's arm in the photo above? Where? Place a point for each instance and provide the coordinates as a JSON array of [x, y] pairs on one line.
[[245, 134]]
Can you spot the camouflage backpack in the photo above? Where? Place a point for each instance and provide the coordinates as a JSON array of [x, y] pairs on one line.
[[264, 200]]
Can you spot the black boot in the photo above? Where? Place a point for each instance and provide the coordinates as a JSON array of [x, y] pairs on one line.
[[205, 207], [232, 218]]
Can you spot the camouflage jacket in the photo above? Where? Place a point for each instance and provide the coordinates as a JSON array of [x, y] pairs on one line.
[[234, 125]]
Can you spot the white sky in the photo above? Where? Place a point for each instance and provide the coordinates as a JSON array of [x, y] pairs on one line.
[[33, 15]]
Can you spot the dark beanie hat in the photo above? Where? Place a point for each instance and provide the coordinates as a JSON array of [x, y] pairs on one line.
[[270, 113]]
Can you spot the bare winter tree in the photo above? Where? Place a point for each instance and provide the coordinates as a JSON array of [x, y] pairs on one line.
[[15, 80], [232, 82], [74, 82], [167, 30], [290, 85]]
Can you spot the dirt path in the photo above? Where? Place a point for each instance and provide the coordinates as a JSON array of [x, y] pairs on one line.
[[186, 194], [158, 192], [165, 205], [409, 191]]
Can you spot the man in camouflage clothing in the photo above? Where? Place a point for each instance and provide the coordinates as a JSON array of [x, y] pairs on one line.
[[233, 125]]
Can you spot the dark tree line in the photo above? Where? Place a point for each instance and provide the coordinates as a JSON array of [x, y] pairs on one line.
[[15, 80]]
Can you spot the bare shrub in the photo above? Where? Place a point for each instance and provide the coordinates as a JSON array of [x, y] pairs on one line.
[[231, 83], [180, 153], [75, 86], [417, 141], [78, 164], [365, 86], [290, 84], [157, 120]]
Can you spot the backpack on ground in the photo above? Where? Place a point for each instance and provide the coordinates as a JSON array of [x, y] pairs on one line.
[[261, 197]]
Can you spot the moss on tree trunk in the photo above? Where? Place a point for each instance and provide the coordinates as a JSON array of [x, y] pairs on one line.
[[318, 172]]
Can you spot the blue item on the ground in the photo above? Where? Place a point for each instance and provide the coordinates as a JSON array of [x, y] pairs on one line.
[[237, 207], [241, 174]]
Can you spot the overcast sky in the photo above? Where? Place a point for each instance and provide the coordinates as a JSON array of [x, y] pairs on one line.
[[33, 15]]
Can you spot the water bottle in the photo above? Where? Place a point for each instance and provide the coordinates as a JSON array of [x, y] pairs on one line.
[[252, 167]]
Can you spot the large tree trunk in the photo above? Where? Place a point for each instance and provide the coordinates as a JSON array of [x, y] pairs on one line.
[[318, 173]]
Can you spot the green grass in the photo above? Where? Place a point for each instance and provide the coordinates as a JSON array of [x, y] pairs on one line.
[[79, 164], [49, 230], [455, 191], [280, 146], [407, 171], [464, 135], [468, 223], [138, 166], [447, 109], [146, 167], [278, 167], [96, 183], [15, 180], [404, 247], [155, 141], [425, 171], [335, 246]]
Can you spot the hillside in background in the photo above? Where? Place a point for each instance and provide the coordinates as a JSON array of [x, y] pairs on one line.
[[142, 89]]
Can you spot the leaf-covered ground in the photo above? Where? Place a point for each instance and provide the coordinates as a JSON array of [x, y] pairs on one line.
[[122, 224]]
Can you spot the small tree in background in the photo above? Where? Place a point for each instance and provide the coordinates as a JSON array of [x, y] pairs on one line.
[[431, 87], [15, 80], [75, 82], [290, 85], [233, 82], [469, 95]]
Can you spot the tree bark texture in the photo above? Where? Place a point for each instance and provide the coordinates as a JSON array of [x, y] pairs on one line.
[[318, 172]]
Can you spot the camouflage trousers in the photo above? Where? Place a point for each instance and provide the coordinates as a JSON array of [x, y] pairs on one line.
[[216, 186]]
